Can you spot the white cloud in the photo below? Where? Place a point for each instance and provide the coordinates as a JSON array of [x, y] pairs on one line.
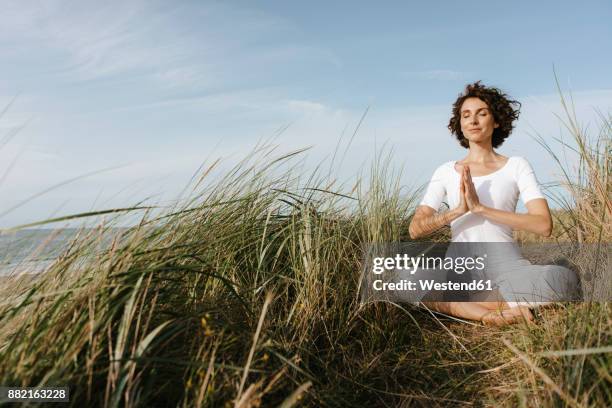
[[305, 106], [174, 46], [417, 136], [183, 77]]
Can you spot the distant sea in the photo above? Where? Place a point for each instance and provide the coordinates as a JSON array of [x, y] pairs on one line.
[[33, 250]]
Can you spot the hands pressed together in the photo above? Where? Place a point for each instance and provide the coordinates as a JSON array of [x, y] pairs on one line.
[[468, 197], [537, 220]]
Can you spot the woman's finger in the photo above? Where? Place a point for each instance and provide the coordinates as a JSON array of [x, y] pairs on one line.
[[469, 181]]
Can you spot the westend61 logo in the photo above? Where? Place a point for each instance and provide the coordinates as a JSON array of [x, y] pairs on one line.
[[436, 268], [406, 266], [412, 264]]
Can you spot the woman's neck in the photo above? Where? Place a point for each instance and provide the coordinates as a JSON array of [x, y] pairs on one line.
[[481, 153]]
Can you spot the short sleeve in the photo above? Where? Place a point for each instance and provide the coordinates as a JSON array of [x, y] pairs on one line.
[[528, 186], [436, 190]]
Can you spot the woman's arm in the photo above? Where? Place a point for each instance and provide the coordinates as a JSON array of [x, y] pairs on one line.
[[538, 219], [426, 220]]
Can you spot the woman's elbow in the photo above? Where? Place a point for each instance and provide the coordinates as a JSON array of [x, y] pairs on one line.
[[547, 228], [412, 231]]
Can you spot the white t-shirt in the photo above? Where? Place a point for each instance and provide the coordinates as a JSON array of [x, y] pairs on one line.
[[500, 189]]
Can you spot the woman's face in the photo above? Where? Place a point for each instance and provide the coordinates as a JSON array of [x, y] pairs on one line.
[[477, 123]]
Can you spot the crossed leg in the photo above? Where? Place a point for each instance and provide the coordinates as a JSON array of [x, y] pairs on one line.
[[497, 313]]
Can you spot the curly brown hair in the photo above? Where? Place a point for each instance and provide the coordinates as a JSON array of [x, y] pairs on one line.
[[498, 102]]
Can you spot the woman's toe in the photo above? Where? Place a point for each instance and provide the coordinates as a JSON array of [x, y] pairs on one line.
[[521, 312], [496, 318], [507, 316]]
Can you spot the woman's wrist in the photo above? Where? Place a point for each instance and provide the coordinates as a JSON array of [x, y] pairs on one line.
[[479, 209], [455, 213]]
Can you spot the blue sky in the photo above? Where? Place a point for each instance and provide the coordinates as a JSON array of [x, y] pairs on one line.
[[159, 87]]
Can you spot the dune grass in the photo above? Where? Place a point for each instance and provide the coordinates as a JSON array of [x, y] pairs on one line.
[[245, 294]]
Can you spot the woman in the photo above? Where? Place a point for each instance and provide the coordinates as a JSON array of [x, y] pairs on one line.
[[482, 191]]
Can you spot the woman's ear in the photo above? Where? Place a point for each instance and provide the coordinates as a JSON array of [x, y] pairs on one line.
[[496, 125]]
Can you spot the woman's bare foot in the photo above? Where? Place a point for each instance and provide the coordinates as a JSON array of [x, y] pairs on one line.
[[488, 313], [525, 313], [507, 316]]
